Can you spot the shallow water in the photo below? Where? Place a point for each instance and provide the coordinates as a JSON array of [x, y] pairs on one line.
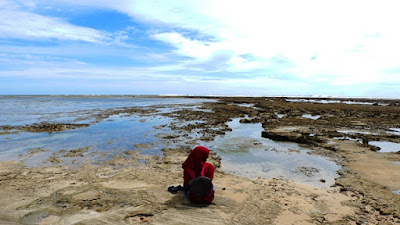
[[23, 110], [309, 116], [356, 132], [313, 101], [347, 138], [246, 105], [395, 131], [335, 101], [115, 134], [397, 192], [244, 152], [386, 146]]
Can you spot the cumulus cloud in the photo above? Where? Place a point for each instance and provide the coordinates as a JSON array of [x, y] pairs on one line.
[[296, 30], [185, 46], [354, 41]]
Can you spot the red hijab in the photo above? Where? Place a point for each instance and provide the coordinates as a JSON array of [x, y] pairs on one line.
[[196, 159]]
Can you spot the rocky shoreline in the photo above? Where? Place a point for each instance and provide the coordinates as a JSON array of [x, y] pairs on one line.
[[130, 188]]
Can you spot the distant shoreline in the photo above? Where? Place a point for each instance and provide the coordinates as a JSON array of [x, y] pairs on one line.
[[368, 98]]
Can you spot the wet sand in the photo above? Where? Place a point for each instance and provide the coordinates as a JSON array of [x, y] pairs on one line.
[[130, 188]]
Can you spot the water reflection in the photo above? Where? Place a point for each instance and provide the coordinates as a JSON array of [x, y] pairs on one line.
[[244, 152], [386, 146], [23, 110], [115, 135]]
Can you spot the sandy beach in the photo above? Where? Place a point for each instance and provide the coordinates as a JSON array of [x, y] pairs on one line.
[[131, 188]]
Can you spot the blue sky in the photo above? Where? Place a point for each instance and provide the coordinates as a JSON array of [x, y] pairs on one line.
[[205, 47]]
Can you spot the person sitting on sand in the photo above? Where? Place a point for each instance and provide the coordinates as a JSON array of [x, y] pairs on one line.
[[198, 176]]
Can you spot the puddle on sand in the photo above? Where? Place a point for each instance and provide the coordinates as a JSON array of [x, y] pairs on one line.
[[397, 192], [356, 132], [395, 131], [249, 105], [347, 138], [193, 108], [245, 153], [386, 146], [280, 116], [309, 116]]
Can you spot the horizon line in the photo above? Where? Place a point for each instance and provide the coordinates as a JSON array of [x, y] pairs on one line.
[[216, 96]]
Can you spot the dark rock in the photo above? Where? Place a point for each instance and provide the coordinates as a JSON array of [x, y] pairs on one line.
[[292, 137], [308, 171]]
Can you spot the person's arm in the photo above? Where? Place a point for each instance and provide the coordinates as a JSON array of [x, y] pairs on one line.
[[209, 170]]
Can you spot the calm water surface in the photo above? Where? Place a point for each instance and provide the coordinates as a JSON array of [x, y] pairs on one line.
[[244, 152], [23, 110], [117, 133]]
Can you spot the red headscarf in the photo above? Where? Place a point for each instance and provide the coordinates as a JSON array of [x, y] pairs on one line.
[[196, 159]]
